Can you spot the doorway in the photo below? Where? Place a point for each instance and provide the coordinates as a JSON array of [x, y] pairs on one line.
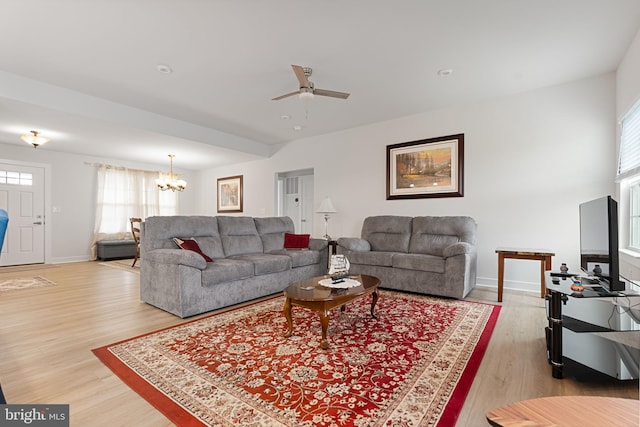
[[22, 193], [294, 190]]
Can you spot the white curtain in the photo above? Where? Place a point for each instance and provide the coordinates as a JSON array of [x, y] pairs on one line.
[[124, 193]]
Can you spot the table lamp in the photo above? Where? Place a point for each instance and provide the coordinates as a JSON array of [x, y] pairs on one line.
[[326, 208]]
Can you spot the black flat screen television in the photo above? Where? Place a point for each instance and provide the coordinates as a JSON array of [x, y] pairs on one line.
[[599, 242]]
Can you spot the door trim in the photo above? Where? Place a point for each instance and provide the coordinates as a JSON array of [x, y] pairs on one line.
[[48, 219]]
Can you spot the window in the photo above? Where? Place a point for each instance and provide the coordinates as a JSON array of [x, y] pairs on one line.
[[16, 178], [629, 158], [634, 215], [629, 173], [125, 193]]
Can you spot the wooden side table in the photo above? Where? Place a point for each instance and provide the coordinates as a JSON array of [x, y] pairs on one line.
[[332, 247], [542, 255], [568, 411]]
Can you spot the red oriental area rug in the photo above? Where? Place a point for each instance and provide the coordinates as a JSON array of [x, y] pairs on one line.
[[412, 366]]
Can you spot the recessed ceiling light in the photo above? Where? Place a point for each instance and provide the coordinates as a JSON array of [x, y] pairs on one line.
[[285, 117], [164, 69], [297, 128], [445, 72]]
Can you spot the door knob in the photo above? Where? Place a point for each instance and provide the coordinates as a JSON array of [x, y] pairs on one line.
[[37, 223]]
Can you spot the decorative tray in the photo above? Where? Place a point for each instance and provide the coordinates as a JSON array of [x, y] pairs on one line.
[[344, 284]]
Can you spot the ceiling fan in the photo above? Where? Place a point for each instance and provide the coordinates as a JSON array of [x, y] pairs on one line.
[[307, 90]]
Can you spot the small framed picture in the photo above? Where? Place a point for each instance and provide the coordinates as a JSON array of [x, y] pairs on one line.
[[426, 168], [230, 194]]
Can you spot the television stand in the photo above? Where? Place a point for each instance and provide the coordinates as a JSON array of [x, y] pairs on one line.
[[590, 331]]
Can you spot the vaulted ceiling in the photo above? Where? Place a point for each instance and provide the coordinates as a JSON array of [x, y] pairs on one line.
[[85, 73]]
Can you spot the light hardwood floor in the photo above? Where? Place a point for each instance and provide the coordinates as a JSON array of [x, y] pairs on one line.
[[46, 337]]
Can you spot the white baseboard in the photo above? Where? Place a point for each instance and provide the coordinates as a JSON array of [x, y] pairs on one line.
[[65, 260], [533, 287]]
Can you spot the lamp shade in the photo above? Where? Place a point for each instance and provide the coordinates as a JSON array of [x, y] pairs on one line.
[[326, 206]]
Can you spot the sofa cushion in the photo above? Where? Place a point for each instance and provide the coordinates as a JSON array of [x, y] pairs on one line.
[[158, 231], [239, 235], [431, 235], [271, 231], [387, 233], [301, 258], [354, 244], [419, 262], [266, 263], [191, 245], [211, 245], [296, 241], [226, 270], [379, 258]]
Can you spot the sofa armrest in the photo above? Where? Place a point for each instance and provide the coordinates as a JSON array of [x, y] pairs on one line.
[[459, 248], [176, 256], [354, 244], [318, 244]]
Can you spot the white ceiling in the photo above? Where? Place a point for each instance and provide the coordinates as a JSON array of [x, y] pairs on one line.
[[84, 72]]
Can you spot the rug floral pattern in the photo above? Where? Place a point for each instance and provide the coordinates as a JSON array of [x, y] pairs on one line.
[[236, 368]]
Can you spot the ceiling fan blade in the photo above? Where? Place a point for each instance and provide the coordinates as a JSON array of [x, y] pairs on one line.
[[332, 93], [302, 78], [285, 96]]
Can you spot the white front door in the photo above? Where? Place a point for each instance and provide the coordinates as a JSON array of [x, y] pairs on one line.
[[22, 196]]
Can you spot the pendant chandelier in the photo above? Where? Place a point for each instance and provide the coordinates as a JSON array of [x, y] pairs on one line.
[[170, 182]]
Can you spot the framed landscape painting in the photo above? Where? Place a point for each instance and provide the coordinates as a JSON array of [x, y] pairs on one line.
[[230, 194], [426, 168]]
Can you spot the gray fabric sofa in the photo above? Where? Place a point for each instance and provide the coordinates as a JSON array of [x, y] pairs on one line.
[[249, 261], [426, 254]]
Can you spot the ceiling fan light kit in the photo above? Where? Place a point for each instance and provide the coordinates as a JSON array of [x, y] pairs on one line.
[[306, 95], [307, 91]]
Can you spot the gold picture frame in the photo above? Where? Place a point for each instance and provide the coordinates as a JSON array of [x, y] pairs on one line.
[[230, 194], [427, 168]]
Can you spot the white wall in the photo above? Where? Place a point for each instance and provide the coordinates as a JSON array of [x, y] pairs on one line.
[[628, 79], [530, 160], [73, 192]]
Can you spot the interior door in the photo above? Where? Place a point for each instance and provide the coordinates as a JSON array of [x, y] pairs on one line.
[[292, 200], [306, 208], [22, 196]]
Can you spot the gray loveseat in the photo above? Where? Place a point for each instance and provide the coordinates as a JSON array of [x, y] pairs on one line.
[[249, 261], [426, 254]]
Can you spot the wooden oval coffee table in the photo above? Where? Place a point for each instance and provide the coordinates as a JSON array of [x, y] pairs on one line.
[[310, 294]]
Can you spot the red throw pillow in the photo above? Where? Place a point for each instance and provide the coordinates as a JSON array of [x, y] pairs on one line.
[[191, 245], [296, 241]]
